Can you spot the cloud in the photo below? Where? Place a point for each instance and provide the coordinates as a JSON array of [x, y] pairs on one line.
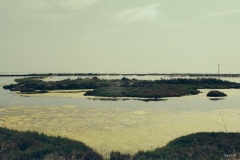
[[43, 4], [217, 14], [51, 17], [43, 10], [149, 12], [77, 4], [23, 5], [184, 25]]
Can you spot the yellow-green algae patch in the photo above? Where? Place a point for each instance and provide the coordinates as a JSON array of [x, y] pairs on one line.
[[107, 129], [60, 93], [139, 112]]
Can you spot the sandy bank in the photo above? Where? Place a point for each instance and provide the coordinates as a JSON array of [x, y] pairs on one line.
[[107, 129]]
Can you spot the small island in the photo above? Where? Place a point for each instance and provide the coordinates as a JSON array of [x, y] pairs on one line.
[[122, 87], [216, 94]]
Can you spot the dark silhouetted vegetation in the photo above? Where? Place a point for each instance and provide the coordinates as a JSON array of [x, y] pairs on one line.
[[124, 87], [197, 146], [216, 94], [32, 146], [120, 74]]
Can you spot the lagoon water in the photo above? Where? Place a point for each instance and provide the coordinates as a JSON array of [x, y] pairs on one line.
[[125, 126]]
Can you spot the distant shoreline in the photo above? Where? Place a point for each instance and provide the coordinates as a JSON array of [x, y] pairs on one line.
[[120, 74]]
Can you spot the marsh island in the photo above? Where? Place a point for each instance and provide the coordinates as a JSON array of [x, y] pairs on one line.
[[122, 87]]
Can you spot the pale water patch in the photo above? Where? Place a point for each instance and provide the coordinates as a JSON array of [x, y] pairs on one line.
[[124, 130], [1, 110], [139, 112], [60, 93]]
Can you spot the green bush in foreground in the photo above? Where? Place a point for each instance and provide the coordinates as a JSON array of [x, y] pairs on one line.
[[197, 146], [32, 145]]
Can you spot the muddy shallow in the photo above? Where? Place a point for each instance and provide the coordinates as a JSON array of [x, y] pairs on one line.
[[107, 129]]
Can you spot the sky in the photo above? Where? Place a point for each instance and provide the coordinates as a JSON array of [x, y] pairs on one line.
[[119, 36]]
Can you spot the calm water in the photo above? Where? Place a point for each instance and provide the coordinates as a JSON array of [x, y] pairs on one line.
[[198, 102], [125, 126]]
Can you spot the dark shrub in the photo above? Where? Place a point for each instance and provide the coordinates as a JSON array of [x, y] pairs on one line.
[[91, 155], [119, 156], [216, 94], [125, 79], [27, 90], [43, 91]]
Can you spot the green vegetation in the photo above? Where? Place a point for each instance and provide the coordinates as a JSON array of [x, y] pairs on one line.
[[213, 146], [120, 74], [32, 145], [216, 94], [126, 99], [124, 87], [26, 79]]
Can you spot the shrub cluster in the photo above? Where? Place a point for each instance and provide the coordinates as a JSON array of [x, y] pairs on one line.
[[200, 146], [32, 145]]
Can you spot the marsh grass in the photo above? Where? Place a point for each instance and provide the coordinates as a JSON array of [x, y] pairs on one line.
[[194, 146], [32, 145], [124, 87]]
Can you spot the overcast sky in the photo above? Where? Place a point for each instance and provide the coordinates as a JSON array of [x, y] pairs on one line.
[[120, 36]]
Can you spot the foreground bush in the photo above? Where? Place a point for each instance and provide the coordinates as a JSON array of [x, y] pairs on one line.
[[197, 146], [32, 145], [16, 145]]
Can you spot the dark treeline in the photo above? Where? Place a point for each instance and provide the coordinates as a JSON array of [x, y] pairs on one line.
[[124, 87], [121, 74]]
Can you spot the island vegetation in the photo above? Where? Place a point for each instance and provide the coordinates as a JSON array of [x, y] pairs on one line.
[[216, 94], [122, 87], [121, 74]]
